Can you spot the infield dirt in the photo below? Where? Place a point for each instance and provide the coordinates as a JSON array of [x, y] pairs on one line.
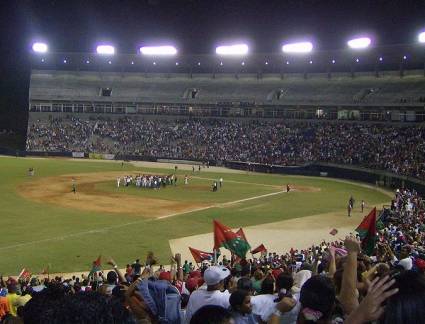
[[58, 191]]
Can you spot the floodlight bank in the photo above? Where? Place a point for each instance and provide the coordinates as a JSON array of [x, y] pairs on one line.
[[39, 47], [237, 49], [105, 50], [359, 43], [302, 47], [158, 50]]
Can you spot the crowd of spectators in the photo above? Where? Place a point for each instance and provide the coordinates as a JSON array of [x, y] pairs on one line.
[[330, 282], [400, 150]]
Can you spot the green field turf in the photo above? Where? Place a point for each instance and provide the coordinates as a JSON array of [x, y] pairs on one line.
[[34, 235]]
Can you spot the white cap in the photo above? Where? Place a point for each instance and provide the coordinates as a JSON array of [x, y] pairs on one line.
[[406, 263], [214, 274]]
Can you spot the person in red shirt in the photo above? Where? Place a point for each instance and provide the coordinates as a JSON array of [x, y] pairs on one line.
[[4, 307]]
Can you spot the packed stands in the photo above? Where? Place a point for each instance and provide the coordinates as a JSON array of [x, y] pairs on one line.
[[398, 149]]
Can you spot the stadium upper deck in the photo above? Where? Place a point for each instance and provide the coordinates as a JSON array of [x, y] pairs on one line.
[[380, 84]]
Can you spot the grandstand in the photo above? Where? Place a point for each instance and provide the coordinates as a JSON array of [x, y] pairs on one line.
[[365, 97]]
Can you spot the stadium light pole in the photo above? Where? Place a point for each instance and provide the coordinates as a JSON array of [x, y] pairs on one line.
[[359, 43]]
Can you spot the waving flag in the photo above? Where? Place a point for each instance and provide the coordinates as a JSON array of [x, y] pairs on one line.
[[24, 274], [367, 232], [261, 248], [200, 256], [224, 236], [97, 266]]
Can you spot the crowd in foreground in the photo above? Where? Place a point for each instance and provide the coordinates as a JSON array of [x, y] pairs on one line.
[[400, 150], [330, 282]]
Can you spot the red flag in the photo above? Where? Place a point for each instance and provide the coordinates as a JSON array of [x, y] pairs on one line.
[[367, 232], [334, 231], [241, 233], [25, 274], [200, 256], [223, 236], [96, 265], [261, 248]]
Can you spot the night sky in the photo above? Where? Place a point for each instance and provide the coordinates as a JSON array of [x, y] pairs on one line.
[[194, 26]]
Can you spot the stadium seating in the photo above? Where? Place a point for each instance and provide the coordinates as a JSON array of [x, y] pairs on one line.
[[341, 89], [397, 149]]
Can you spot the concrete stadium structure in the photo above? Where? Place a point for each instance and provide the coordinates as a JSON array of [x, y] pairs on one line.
[[293, 96]]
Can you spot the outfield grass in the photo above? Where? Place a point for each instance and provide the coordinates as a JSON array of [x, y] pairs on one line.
[[34, 235]]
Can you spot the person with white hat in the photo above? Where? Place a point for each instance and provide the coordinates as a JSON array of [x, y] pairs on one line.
[[212, 294]]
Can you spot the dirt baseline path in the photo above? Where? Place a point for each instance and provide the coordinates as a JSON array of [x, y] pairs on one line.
[[280, 237], [58, 191]]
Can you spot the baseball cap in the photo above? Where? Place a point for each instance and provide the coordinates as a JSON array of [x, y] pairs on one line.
[[214, 274], [192, 283], [195, 274], [420, 264], [165, 275]]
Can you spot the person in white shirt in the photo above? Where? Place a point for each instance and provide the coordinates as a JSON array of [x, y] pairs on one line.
[[263, 305], [213, 295]]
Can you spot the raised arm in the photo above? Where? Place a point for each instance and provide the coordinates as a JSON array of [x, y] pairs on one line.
[[348, 294], [118, 272]]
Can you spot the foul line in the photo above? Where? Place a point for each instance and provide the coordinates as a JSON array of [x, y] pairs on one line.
[[243, 182], [105, 229]]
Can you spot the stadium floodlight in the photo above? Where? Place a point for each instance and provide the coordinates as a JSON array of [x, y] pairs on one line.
[[105, 50], [421, 37], [297, 48], [235, 49], [40, 47], [158, 50], [359, 43]]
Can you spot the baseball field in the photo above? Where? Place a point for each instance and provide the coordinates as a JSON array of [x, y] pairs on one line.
[[43, 223]]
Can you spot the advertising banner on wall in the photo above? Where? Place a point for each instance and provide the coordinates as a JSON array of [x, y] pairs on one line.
[[78, 155], [108, 156], [96, 156]]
